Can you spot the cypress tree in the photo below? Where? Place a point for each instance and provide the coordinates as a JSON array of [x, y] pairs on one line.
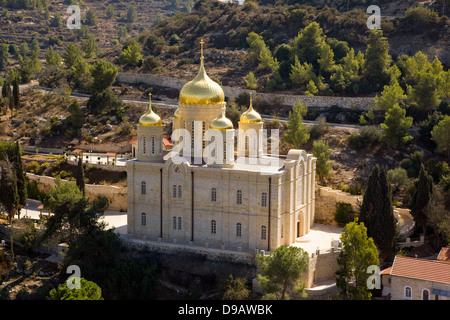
[[423, 189], [377, 213], [16, 94], [80, 175], [21, 178]]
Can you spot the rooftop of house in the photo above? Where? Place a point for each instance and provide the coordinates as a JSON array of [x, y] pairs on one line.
[[421, 269]]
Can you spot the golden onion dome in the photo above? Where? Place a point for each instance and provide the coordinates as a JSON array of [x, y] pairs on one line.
[[150, 119], [250, 116], [202, 90], [221, 122], [176, 114]]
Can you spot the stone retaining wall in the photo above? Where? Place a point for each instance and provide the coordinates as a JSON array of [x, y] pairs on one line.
[[362, 103], [117, 196]]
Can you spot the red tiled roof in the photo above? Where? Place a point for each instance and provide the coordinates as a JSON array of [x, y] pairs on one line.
[[444, 254], [386, 271], [422, 269]]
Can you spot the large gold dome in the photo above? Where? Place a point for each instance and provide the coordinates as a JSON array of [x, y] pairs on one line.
[[202, 90], [150, 118]]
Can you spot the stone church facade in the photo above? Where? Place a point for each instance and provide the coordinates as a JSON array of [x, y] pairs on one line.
[[234, 194]]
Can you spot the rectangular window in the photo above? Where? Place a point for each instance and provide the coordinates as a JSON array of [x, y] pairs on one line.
[[174, 223], [179, 191], [174, 191], [179, 223]]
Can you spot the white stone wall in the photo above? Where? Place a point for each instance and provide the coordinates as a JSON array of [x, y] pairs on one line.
[[286, 211]]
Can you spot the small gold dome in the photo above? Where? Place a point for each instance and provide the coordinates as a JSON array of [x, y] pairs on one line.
[[176, 114], [150, 119], [202, 90], [250, 116], [221, 122]]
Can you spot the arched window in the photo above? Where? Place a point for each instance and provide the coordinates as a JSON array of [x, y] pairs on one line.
[[213, 195], [213, 226], [174, 191], [282, 231], [143, 219], [408, 292], [263, 232], [179, 223], [239, 197], [264, 199], [143, 187], [174, 223], [425, 294], [179, 191], [238, 230]]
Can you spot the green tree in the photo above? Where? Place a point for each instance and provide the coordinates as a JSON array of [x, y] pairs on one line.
[[422, 192], [52, 58], [309, 44], [110, 12], [236, 289], [16, 94], [322, 152], [71, 55], [358, 253], [56, 20], [281, 272], [91, 19], [301, 73], [391, 94], [326, 58], [441, 135], [296, 133], [377, 59], [377, 212], [4, 56], [251, 82], [131, 14], [259, 53], [131, 54], [75, 119], [424, 94], [104, 74], [89, 46], [21, 178], [88, 291], [396, 126], [80, 176]]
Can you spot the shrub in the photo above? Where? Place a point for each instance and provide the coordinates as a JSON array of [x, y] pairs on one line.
[[344, 213], [368, 137]]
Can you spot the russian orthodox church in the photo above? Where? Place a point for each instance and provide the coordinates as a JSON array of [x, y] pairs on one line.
[[217, 185]]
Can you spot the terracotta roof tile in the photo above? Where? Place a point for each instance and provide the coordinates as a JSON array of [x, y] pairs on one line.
[[429, 270], [444, 254]]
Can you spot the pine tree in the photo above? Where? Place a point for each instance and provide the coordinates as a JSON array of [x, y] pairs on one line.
[[377, 59], [423, 189], [80, 176], [377, 212], [296, 133], [359, 252], [396, 126]]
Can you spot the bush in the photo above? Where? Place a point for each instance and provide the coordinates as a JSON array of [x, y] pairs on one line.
[[344, 213], [419, 17], [368, 137]]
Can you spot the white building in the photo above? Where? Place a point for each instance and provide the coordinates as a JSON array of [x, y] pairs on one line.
[[235, 195]]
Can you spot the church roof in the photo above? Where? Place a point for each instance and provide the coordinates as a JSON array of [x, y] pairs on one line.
[[202, 90]]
